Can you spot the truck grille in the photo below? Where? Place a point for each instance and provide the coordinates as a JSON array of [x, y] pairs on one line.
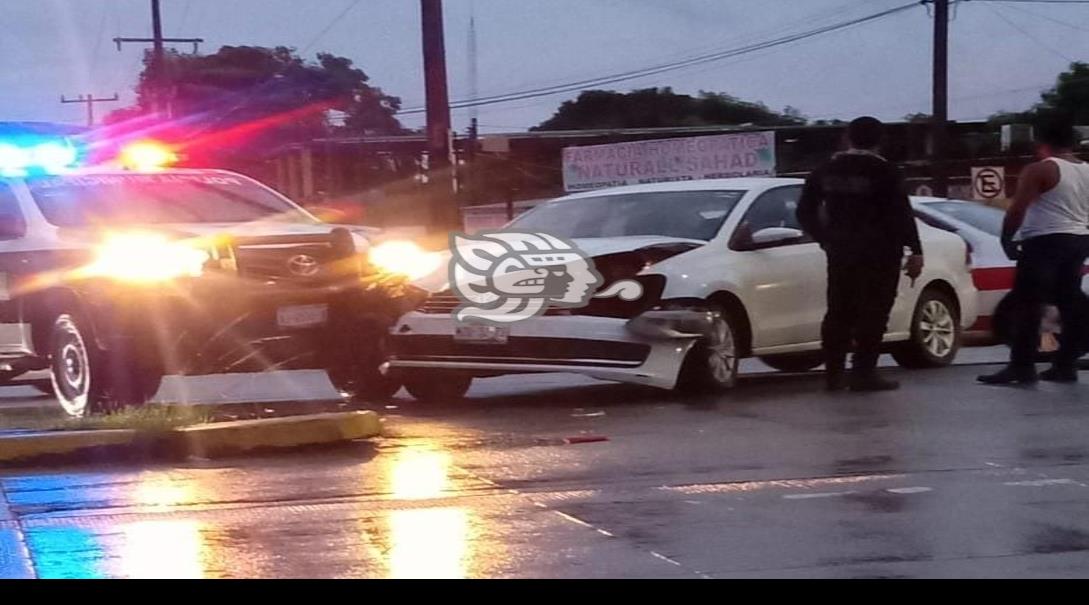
[[303, 262]]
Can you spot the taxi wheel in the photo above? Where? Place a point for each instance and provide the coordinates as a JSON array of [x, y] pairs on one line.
[[87, 379], [437, 386], [935, 333], [711, 366]]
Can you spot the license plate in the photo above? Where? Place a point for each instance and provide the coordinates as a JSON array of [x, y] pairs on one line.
[[483, 335], [303, 316]]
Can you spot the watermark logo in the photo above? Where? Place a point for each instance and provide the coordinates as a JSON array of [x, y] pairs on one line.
[[504, 277]]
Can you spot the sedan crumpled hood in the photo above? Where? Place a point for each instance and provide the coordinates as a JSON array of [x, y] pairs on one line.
[[596, 247]]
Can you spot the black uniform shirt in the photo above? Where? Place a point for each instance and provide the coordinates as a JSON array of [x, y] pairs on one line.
[[857, 204]]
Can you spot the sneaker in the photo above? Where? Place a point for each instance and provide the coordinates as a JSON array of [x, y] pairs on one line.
[[872, 383], [1011, 375], [1063, 374]]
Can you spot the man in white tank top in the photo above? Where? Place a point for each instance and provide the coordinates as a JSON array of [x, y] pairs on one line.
[[1047, 233]]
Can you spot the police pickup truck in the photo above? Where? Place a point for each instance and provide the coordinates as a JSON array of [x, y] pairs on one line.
[[112, 278]]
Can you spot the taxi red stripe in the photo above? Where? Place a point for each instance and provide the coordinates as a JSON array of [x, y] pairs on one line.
[[997, 278]]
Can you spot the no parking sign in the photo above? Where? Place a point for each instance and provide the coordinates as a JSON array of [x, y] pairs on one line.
[[988, 183]]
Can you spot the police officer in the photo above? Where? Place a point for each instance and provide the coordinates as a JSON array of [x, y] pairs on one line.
[[1047, 232], [856, 208]]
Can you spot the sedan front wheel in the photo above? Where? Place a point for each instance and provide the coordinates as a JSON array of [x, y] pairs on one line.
[[712, 364]]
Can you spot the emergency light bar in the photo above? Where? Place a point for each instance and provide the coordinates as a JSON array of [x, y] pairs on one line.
[[147, 156], [20, 157]]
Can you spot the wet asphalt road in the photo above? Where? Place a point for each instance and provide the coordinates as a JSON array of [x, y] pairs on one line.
[[944, 479]]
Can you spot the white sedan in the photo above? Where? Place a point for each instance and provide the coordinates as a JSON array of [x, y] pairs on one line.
[[727, 274], [993, 272]]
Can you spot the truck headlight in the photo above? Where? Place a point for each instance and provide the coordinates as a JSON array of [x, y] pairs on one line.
[[404, 258], [146, 257]]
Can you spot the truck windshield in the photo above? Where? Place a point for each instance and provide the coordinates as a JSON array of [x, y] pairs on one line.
[[148, 199]]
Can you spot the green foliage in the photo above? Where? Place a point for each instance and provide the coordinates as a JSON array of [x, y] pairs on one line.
[[663, 108], [1068, 99]]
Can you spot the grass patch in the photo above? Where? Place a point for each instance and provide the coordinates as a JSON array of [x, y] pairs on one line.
[[148, 419]]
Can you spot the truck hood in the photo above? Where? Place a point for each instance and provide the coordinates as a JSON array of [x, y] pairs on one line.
[[87, 236]]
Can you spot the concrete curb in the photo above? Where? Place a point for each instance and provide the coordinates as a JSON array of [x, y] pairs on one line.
[[210, 440], [59, 443], [205, 441]]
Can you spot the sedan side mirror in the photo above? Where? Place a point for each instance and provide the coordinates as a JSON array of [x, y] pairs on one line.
[[775, 236]]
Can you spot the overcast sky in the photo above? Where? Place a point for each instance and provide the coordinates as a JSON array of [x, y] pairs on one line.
[[1002, 54]]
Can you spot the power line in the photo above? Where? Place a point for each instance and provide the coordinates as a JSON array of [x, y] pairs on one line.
[[1030, 36], [1049, 18], [1034, 1], [333, 23], [673, 66], [808, 20]]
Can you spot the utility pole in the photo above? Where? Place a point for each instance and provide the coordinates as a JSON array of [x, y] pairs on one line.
[[939, 138], [470, 175], [439, 140], [89, 101], [157, 69], [158, 51]]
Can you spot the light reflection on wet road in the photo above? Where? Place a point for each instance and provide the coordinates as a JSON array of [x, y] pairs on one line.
[[776, 480]]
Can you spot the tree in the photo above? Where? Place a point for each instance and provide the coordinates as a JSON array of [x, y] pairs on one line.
[[247, 99], [662, 108], [1069, 99]]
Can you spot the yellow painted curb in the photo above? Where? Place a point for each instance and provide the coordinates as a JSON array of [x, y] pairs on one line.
[[292, 431], [34, 445]]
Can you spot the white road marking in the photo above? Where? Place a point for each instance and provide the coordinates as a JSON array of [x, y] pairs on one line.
[[910, 490], [664, 558], [816, 496], [1042, 483]]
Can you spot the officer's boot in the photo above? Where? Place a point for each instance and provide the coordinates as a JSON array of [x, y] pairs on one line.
[[835, 374]]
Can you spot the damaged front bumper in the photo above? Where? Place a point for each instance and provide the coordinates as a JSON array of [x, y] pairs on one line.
[[672, 324]]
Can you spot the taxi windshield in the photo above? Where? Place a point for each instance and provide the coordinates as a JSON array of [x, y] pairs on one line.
[[149, 199]]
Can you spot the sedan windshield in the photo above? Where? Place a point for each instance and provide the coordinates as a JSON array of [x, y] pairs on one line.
[[986, 219], [148, 199], [695, 215]]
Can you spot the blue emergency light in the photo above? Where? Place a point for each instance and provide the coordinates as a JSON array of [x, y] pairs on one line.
[[23, 156]]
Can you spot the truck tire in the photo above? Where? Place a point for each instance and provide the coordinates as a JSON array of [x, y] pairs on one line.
[[90, 380], [355, 368]]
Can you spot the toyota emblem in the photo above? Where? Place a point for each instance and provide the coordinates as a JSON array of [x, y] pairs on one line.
[[304, 265]]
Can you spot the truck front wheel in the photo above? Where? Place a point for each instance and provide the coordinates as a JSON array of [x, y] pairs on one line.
[[88, 379]]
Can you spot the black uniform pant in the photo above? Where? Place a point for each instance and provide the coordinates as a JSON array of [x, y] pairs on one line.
[[1050, 272], [862, 288]]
